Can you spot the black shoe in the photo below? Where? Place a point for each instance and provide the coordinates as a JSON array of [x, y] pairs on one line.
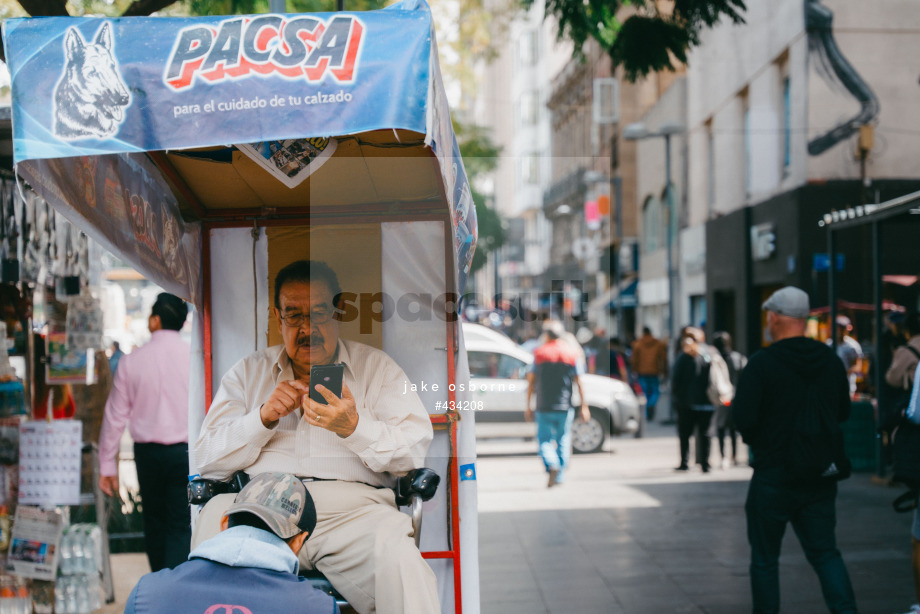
[[682, 467], [705, 468]]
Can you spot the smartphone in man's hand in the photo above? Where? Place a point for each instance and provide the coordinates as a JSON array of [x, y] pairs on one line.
[[329, 376]]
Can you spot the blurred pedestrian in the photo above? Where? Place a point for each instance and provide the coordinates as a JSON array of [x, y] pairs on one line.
[[115, 357], [600, 358], [151, 393], [570, 340], [552, 378], [619, 361], [699, 382], [899, 379], [725, 424], [904, 359], [649, 363], [849, 351], [912, 413], [793, 377]]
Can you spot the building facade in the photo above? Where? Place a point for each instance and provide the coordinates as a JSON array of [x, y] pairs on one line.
[[807, 108], [592, 163]]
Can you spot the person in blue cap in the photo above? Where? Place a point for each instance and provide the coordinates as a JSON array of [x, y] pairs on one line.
[[251, 566]]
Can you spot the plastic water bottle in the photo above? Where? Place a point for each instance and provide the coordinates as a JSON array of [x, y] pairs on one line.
[[6, 594], [82, 598], [23, 599], [67, 553], [95, 592], [79, 549], [60, 606], [96, 538]]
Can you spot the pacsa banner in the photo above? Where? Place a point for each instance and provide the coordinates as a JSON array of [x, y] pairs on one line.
[[88, 86]]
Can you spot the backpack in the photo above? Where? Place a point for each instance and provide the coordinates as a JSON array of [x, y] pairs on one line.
[[900, 404], [816, 451], [720, 390]]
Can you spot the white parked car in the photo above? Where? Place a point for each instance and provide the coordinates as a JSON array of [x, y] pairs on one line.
[[498, 376]]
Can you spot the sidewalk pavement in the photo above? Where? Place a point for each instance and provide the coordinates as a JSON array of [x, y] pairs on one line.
[[627, 534]]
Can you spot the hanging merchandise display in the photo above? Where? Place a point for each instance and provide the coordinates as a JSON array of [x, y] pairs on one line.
[[72, 351], [9, 264], [45, 258], [31, 256], [84, 324]]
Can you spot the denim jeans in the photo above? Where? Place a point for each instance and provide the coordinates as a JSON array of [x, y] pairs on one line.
[[649, 384], [554, 434], [770, 506]]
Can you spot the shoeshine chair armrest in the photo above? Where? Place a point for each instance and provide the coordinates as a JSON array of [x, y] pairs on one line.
[[201, 490], [422, 482], [411, 490]]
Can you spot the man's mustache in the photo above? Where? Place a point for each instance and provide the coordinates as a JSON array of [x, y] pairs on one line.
[[311, 339]]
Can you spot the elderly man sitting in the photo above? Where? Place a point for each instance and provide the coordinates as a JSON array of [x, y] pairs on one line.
[[350, 450]]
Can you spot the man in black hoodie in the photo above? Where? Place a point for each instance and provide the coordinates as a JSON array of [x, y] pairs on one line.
[[771, 391]]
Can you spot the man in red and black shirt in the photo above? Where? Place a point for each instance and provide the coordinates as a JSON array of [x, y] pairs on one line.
[[552, 377]]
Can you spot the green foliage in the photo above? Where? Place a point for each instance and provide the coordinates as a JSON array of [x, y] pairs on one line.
[[491, 232], [480, 156], [648, 39]]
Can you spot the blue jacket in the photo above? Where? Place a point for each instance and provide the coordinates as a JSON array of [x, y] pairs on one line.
[[242, 570]]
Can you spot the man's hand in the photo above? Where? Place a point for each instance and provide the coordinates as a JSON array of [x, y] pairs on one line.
[[528, 415], [585, 413], [108, 484], [284, 399], [340, 415]]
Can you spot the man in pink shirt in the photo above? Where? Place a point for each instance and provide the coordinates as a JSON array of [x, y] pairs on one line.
[[151, 391]]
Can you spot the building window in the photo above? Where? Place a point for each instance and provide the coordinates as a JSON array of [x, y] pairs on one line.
[[527, 48], [787, 122], [652, 225], [698, 310], [530, 169], [529, 108]]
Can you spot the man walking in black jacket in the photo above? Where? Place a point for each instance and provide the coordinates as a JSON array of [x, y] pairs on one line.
[[774, 387]]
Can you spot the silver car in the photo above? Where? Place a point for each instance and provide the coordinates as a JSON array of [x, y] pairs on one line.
[[498, 377]]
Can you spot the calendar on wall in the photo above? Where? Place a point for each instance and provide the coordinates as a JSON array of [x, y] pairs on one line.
[[49, 462]]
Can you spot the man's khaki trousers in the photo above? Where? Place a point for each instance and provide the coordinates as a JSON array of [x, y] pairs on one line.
[[362, 543]]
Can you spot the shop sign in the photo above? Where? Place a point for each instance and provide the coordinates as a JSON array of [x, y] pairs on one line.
[[91, 86], [821, 262], [763, 241]]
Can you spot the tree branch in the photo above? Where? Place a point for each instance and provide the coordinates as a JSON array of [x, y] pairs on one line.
[[141, 8], [45, 8], [39, 8]]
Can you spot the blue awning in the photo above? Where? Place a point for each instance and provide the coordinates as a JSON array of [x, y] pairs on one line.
[[626, 297]]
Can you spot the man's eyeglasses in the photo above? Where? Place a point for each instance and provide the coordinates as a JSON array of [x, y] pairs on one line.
[[320, 315]]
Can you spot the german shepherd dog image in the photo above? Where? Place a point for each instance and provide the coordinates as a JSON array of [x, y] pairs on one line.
[[91, 97]]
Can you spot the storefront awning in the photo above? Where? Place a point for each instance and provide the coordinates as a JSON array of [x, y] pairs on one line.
[[623, 297]]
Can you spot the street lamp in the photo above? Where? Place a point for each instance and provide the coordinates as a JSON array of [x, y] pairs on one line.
[[636, 132]]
